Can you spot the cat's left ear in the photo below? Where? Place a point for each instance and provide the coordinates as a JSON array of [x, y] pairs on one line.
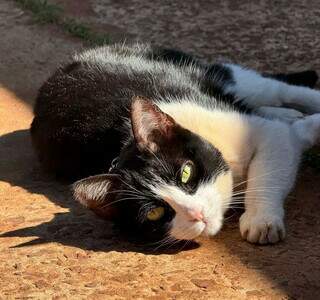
[[151, 126], [98, 194]]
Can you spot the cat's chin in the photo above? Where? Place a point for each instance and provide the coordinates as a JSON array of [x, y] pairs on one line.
[[198, 229], [188, 232], [212, 229]]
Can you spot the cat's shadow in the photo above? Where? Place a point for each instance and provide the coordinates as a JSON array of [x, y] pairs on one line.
[[77, 227]]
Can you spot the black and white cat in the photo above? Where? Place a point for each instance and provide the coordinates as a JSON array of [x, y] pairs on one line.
[[184, 134]]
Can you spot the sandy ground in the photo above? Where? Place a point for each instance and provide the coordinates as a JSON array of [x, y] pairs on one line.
[[51, 248]]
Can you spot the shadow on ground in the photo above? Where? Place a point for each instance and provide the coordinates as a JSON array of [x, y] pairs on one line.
[[78, 227]]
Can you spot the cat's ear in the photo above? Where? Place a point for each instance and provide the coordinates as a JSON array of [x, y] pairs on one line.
[[97, 193], [150, 125]]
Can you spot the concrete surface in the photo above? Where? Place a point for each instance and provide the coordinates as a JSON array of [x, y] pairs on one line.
[[51, 248]]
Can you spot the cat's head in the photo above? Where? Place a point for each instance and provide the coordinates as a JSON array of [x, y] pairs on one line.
[[168, 182]]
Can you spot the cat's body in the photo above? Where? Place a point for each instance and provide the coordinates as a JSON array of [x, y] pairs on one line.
[[184, 115]]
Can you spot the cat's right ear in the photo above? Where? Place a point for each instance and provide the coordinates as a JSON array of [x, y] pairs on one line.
[[151, 127], [98, 194]]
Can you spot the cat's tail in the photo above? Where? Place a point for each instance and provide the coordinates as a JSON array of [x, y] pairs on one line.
[[307, 131]]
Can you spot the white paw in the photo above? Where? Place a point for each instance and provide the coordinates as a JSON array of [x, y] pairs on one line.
[[262, 228]]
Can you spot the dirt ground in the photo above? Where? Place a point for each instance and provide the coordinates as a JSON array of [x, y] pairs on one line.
[[51, 248]]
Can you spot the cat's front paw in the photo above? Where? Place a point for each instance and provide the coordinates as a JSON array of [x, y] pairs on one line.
[[262, 228]]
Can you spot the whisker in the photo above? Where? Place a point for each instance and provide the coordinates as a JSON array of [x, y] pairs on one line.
[[231, 207], [184, 245], [165, 241], [130, 186], [269, 190], [162, 163], [230, 216], [144, 208], [122, 199], [244, 196], [259, 176], [124, 191]]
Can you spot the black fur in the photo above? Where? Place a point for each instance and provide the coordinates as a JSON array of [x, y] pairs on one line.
[[305, 78], [216, 77], [76, 130]]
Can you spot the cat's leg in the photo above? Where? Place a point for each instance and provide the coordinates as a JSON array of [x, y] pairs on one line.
[[253, 89], [271, 175], [256, 90]]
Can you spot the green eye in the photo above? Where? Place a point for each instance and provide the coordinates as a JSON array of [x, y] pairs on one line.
[[155, 214], [186, 173]]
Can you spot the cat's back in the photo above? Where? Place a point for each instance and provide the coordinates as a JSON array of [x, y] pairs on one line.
[[113, 75], [81, 109], [138, 70]]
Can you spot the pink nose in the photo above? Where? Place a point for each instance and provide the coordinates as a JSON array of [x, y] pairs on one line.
[[195, 215]]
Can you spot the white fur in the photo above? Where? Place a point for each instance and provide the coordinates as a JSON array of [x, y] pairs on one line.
[[308, 130], [265, 152], [256, 91], [253, 88]]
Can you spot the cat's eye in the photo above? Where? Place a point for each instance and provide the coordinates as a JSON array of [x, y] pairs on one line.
[[155, 214], [187, 172]]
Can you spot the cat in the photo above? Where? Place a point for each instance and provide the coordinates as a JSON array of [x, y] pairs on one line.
[[166, 139]]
